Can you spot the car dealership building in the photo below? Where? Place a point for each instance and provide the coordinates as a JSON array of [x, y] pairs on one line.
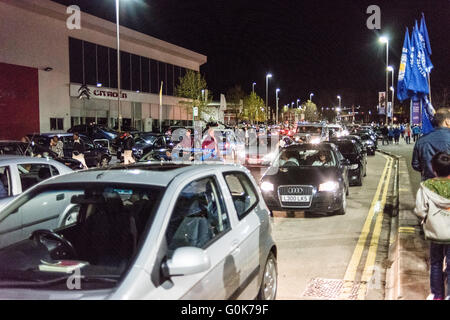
[[43, 65]]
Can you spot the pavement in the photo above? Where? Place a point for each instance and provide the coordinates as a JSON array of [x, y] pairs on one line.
[[408, 272]]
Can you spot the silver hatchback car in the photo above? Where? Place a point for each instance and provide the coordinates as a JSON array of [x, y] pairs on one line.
[[146, 232]]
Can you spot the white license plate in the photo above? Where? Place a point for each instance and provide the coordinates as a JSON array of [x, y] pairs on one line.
[[295, 198]]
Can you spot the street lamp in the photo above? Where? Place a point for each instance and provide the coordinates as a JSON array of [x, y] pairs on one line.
[[269, 75], [253, 86], [298, 100], [391, 69], [310, 96], [339, 109], [276, 93], [384, 39]]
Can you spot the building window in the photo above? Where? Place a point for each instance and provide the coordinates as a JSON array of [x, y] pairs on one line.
[[154, 86], [170, 80], [125, 67], [56, 124], [76, 60]]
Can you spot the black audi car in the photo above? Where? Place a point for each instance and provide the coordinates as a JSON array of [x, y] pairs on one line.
[[307, 177], [351, 151]]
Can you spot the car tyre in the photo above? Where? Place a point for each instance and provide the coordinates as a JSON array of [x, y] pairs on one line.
[[104, 162], [269, 283]]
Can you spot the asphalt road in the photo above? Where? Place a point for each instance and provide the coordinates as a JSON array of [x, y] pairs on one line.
[[317, 253]]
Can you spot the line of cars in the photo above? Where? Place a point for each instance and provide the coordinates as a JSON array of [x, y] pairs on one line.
[[314, 175], [160, 231]]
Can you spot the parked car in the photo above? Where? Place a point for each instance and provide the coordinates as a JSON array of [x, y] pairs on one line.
[[98, 134], [18, 174], [307, 177], [95, 154], [145, 232], [151, 141], [19, 148], [357, 168]]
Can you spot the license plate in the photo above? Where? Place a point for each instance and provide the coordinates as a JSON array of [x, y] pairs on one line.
[[295, 198]]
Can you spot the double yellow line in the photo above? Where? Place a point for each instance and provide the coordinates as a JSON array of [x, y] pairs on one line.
[[376, 207]]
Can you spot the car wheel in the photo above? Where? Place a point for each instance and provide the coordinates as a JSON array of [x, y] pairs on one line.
[[104, 162], [344, 205], [269, 283]]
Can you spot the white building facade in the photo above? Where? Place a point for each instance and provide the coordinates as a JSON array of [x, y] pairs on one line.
[[43, 64]]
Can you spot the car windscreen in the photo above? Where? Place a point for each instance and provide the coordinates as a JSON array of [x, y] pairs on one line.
[[305, 158], [345, 147], [147, 139], [310, 130], [102, 226]]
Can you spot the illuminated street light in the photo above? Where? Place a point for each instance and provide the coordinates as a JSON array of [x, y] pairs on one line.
[[269, 75], [310, 96], [253, 86]]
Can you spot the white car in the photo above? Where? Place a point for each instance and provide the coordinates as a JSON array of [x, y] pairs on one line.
[[145, 232], [18, 174]]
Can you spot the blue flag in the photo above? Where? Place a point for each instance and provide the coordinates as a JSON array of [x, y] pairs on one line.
[[427, 126], [418, 82], [404, 70], [425, 40]]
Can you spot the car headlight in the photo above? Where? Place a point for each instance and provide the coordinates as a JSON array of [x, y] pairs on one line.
[[329, 186], [353, 166], [315, 141], [297, 139], [266, 186]]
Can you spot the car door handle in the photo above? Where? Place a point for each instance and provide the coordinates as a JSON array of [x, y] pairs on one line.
[[235, 249]]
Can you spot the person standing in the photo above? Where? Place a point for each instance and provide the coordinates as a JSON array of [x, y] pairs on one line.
[[427, 146], [210, 146], [78, 150], [433, 206], [408, 134], [390, 134], [385, 133], [128, 145], [397, 132], [416, 132], [57, 146]]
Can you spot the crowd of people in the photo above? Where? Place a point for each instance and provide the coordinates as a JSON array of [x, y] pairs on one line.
[[392, 134]]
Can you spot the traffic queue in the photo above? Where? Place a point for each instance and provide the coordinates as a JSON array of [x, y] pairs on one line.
[[161, 224]]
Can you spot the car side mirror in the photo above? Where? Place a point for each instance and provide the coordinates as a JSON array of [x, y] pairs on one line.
[[187, 261]]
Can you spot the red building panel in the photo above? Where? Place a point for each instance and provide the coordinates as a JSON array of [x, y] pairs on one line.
[[19, 101]]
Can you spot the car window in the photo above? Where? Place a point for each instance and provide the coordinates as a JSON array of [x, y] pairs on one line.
[[5, 182], [31, 174], [242, 192], [199, 216], [54, 171], [87, 143]]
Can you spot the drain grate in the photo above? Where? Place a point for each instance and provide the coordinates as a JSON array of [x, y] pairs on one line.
[[328, 289]]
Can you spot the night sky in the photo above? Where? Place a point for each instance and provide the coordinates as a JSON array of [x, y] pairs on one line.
[[317, 46]]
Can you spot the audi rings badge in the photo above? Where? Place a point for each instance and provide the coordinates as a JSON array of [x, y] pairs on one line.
[[295, 190]]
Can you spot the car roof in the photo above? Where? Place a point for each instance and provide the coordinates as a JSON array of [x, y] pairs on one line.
[[322, 145], [11, 142], [141, 174], [13, 159]]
